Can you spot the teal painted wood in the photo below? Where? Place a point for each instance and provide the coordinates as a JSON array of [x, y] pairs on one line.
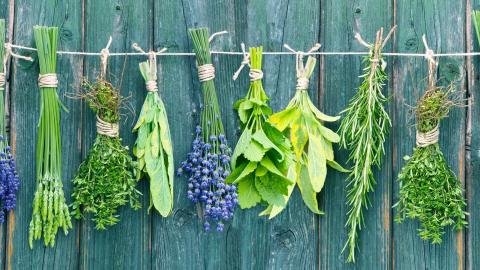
[[25, 111], [341, 19], [444, 24], [472, 144], [125, 245]]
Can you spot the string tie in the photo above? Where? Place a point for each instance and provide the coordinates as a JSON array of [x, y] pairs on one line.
[[255, 74], [107, 129], [104, 53], [2, 81], [206, 72], [151, 86], [245, 62], [304, 71], [376, 49], [48, 80], [427, 138]]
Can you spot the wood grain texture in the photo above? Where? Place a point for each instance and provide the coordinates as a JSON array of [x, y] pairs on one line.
[[125, 245], [341, 19], [67, 15], [443, 23]]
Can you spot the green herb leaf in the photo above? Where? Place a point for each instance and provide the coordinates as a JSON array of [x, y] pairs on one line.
[[247, 193]]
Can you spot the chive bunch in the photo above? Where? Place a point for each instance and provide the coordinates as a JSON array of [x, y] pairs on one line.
[[50, 211], [208, 164]]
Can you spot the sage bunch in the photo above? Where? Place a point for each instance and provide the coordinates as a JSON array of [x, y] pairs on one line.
[[105, 180], [262, 156], [429, 190], [153, 147], [311, 140], [9, 180], [50, 210], [208, 164], [363, 131]]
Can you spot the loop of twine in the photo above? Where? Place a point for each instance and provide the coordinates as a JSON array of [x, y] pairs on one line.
[[302, 79], [377, 47], [206, 72], [255, 74], [428, 138], [48, 80], [245, 62], [432, 64], [151, 86], [107, 129], [2, 81], [104, 53]]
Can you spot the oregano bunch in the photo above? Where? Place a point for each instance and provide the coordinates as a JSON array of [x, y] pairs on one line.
[[153, 147], [363, 131], [311, 140], [262, 156], [429, 189]]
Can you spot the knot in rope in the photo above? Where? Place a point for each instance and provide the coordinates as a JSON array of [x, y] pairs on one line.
[[304, 71], [206, 72], [302, 83], [107, 129], [245, 62], [427, 138], [48, 80]]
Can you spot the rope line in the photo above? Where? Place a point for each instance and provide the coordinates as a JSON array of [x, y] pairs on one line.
[[453, 54]]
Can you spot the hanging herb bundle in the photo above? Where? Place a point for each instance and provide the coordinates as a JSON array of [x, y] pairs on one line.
[[208, 164], [153, 147], [263, 154], [429, 189], [363, 131], [105, 180], [311, 140], [9, 180], [50, 210]]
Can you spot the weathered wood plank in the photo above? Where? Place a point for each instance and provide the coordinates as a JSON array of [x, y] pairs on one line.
[[443, 23], [340, 21], [125, 245], [472, 147], [25, 112]]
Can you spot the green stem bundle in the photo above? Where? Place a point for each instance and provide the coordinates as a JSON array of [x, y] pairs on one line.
[[105, 180], [429, 189], [50, 210], [153, 147], [262, 156], [363, 131]]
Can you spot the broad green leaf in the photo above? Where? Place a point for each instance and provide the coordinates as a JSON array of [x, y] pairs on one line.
[[260, 171], [142, 136], [242, 144], [276, 209], [262, 138], [265, 188], [247, 193], [270, 166], [334, 165], [277, 137], [283, 119], [308, 194], [167, 146], [316, 162], [299, 136], [320, 115], [160, 189], [329, 134], [149, 116], [155, 142], [241, 172], [243, 110], [254, 152]]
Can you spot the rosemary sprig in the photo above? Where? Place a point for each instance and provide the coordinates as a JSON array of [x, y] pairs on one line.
[[363, 131]]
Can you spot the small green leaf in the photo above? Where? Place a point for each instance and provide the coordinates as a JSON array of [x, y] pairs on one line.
[[334, 165], [254, 152], [242, 144], [299, 136], [308, 194], [241, 172], [264, 186], [247, 194], [262, 138], [283, 119]]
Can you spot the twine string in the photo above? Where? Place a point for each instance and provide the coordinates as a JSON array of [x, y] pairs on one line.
[[427, 138], [104, 53], [48, 80], [107, 129], [245, 62], [151, 85], [206, 72], [301, 70], [9, 52], [432, 64]]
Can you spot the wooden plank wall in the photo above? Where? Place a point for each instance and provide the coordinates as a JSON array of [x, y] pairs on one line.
[[296, 239]]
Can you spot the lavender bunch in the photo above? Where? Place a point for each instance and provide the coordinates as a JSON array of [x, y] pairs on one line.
[[9, 180], [208, 164]]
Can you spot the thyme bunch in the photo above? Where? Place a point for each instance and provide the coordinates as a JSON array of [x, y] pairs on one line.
[[105, 180], [363, 130]]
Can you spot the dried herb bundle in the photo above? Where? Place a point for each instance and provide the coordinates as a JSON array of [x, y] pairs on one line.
[[105, 180], [50, 211], [263, 154], [208, 164], [363, 131], [153, 147], [311, 140], [429, 189]]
